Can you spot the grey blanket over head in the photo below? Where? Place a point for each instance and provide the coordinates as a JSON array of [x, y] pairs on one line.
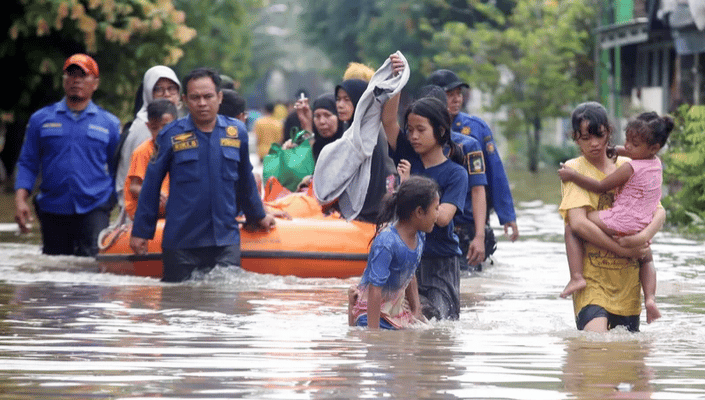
[[343, 167]]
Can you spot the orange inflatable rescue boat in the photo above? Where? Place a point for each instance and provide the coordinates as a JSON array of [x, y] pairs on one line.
[[308, 245]]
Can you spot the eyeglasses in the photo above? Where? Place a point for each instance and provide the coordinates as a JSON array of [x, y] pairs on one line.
[[160, 90]]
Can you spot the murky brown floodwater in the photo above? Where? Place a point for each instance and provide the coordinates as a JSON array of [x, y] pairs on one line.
[[68, 332]]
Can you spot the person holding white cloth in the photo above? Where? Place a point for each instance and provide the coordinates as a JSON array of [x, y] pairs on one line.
[[344, 167]]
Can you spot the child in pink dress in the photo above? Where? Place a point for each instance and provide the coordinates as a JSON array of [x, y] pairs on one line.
[[634, 204]]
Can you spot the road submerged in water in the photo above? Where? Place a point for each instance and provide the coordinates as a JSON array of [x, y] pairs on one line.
[[70, 332]]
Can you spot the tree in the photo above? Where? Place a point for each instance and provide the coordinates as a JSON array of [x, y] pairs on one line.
[[536, 64], [683, 172], [369, 31], [125, 37], [223, 41], [334, 26]]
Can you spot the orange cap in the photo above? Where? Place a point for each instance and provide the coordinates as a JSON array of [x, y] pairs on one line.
[[87, 64]]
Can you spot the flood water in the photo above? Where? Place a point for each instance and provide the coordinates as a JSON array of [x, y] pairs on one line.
[[69, 332]]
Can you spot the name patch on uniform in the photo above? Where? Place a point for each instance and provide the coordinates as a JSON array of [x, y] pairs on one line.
[[189, 144], [98, 128], [229, 142], [52, 125], [184, 141], [476, 162], [231, 131], [466, 131]]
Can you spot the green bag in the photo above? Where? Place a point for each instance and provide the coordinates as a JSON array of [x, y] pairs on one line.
[[291, 165]]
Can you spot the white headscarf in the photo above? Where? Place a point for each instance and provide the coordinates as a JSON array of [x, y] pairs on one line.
[[150, 80]]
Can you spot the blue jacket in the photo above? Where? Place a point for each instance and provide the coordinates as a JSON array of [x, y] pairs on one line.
[[499, 196], [74, 155], [210, 177], [472, 151]]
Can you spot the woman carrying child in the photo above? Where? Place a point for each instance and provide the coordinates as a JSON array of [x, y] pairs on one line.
[[635, 204], [611, 295]]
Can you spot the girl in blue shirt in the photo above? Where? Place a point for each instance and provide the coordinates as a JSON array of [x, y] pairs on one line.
[[387, 296], [426, 132]]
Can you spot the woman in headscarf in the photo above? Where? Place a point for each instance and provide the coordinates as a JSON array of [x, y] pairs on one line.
[[321, 119], [347, 95], [327, 127], [158, 82], [382, 171]]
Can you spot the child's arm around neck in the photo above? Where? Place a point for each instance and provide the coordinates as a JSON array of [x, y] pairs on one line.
[[613, 180]]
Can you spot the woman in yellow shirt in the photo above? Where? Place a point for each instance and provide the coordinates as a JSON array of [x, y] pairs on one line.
[[612, 296]]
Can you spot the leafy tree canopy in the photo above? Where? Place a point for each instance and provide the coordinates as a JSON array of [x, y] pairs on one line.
[[368, 31], [683, 171], [223, 41], [124, 36], [537, 65]]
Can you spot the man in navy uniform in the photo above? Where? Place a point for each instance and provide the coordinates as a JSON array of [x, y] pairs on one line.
[[499, 194], [207, 157], [71, 143]]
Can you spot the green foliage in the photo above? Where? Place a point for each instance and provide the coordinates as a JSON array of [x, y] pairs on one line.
[[369, 31], [554, 155], [223, 40], [334, 25], [124, 36], [683, 171], [535, 64]]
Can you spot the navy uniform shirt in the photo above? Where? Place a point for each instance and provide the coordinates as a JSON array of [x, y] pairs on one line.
[[499, 195], [475, 160], [452, 181], [74, 153], [210, 178]]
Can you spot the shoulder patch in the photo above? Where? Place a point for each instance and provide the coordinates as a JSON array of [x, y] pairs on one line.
[[231, 131], [466, 131], [476, 162], [490, 147]]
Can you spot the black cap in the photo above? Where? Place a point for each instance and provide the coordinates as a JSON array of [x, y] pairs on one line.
[[446, 79]]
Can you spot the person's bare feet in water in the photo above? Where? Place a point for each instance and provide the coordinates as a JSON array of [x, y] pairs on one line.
[[652, 311], [573, 286]]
